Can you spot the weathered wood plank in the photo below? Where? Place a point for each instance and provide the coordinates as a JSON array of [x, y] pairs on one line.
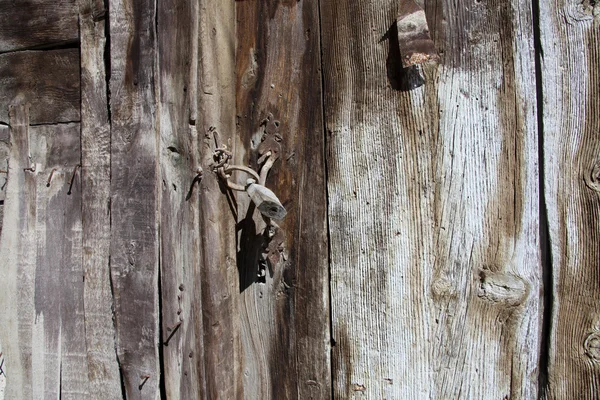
[[37, 23], [217, 277], [104, 377], [433, 206], [17, 261], [285, 318], [179, 205], [48, 80], [45, 349], [570, 61], [134, 205], [4, 155], [59, 356]]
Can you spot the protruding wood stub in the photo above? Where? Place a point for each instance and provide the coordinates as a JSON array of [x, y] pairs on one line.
[[416, 46]]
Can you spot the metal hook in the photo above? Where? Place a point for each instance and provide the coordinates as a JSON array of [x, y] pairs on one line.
[[197, 178]]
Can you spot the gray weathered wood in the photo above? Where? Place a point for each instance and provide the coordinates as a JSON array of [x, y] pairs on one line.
[[104, 377], [48, 80], [59, 358], [43, 336], [37, 23], [285, 314], [180, 261], [133, 202], [433, 204], [570, 40], [217, 276], [4, 155], [17, 261]]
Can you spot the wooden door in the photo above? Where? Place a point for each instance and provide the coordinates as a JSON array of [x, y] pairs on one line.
[[441, 231]]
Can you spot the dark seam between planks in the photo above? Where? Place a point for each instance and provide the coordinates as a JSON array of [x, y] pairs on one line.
[[546, 255], [67, 44], [161, 360], [57, 123], [107, 66], [326, 172]]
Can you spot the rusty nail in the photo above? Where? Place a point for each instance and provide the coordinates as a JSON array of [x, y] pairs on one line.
[[73, 178], [3, 171], [31, 169], [144, 380], [172, 329], [50, 177]]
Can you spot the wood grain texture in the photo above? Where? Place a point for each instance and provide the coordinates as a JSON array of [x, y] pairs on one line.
[[37, 23], [218, 276], [134, 195], [571, 120], [180, 261], [48, 80], [17, 261], [285, 318], [59, 357], [433, 204], [104, 380], [43, 340], [4, 155]]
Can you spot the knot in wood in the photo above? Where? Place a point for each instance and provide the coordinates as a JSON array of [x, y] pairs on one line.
[[592, 178], [592, 346], [502, 288]]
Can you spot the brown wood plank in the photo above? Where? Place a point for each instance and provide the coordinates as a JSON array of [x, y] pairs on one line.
[[218, 276], [570, 42], [48, 80], [182, 323], [37, 23], [17, 261], [433, 203], [285, 319], [134, 205], [104, 379]]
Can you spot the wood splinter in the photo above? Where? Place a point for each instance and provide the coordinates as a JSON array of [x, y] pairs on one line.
[[416, 46]]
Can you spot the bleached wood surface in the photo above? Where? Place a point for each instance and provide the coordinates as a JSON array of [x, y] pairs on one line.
[[433, 204], [43, 330], [570, 38]]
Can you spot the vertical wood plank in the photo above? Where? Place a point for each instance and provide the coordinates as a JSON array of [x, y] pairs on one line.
[[104, 379], [59, 357], [570, 42], [433, 203], [4, 155], [218, 276], [134, 191], [285, 318], [181, 265], [17, 261]]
